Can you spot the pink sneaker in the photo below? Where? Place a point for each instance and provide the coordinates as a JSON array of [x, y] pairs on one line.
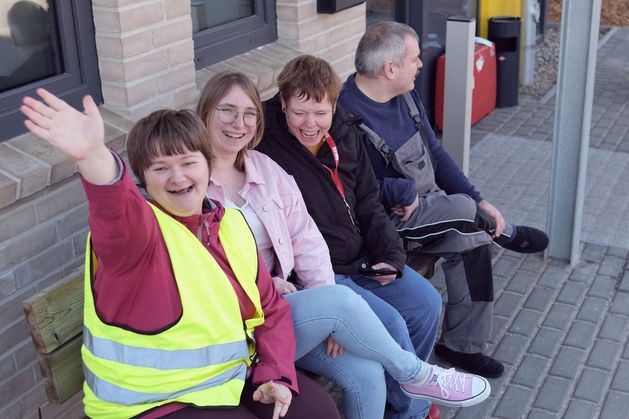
[[450, 388]]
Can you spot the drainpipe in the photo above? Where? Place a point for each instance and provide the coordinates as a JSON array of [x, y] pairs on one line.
[[528, 35]]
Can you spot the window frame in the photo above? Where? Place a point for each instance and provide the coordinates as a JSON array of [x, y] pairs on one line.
[[225, 41], [74, 23]]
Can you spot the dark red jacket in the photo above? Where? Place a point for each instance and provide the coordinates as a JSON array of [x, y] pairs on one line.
[[135, 286]]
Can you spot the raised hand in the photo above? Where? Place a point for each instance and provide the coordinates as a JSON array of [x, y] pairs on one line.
[[79, 135]]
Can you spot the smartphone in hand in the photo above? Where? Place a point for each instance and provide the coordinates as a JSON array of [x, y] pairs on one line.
[[377, 272]]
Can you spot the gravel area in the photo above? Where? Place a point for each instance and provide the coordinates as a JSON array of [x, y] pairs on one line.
[[613, 13], [546, 62]]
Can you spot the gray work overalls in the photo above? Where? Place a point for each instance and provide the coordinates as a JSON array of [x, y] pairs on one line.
[[445, 225]]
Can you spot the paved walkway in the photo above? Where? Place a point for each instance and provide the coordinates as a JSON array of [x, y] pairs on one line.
[[560, 330]]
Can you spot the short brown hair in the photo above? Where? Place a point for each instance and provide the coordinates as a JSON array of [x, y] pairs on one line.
[[166, 132], [309, 77], [216, 89]]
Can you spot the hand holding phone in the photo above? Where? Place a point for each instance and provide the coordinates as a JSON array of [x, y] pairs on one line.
[[381, 272], [378, 272]]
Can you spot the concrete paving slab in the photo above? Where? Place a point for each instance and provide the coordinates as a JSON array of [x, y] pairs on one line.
[[561, 330], [524, 182]]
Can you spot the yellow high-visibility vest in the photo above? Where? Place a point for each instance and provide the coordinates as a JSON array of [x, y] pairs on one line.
[[200, 360]]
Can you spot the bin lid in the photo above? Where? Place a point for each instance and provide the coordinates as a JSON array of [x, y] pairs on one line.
[[503, 27], [505, 19]]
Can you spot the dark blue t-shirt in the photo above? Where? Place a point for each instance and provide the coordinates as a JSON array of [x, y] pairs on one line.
[[392, 121]]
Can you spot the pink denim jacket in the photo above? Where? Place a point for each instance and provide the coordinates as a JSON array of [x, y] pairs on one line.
[[276, 199]]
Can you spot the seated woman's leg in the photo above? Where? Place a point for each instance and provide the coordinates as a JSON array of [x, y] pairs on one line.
[[339, 312], [418, 303], [362, 381], [313, 402], [401, 404]]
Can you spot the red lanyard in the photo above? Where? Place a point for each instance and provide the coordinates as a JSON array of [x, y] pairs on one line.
[[334, 173], [336, 179]]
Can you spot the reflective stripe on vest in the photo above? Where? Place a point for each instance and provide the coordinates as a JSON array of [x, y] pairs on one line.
[[202, 359], [116, 394], [166, 359]]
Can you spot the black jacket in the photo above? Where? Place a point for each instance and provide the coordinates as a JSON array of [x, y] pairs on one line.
[[375, 240]]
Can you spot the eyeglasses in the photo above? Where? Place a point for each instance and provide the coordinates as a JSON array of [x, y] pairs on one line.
[[229, 115]]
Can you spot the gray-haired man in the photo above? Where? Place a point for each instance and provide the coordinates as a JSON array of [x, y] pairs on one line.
[[431, 202]]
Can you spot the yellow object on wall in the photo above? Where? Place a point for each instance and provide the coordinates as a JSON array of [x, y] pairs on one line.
[[492, 8]]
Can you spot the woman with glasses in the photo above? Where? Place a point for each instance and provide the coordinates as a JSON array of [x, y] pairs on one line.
[[337, 333]]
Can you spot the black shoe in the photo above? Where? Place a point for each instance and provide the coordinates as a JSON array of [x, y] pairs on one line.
[[526, 240], [477, 363]]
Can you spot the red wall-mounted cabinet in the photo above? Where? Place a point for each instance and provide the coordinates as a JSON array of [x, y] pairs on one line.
[[484, 89]]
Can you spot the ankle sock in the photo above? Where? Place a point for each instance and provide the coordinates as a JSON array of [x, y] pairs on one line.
[[425, 374]]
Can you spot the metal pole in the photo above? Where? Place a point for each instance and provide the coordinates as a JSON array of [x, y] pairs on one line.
[[573, 113], [458, 84], [530, 17]]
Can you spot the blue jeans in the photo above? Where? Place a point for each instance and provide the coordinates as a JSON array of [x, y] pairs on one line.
[[339, 312], [409, 308]]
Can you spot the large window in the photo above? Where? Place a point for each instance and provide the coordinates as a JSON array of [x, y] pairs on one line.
[[224, 28], [45, 43], [29, 45]]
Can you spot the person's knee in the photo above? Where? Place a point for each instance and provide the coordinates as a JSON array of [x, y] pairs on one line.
[[350, 300], [339, 300], [424, 295], [465, 205], [344, 292], [455, 206]]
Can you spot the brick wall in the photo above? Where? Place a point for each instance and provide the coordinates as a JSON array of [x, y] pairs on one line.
[[146, 61], [333, 37], [42, 239], [145, 54]]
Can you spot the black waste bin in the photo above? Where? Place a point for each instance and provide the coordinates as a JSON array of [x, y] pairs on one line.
[[504, 31]]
